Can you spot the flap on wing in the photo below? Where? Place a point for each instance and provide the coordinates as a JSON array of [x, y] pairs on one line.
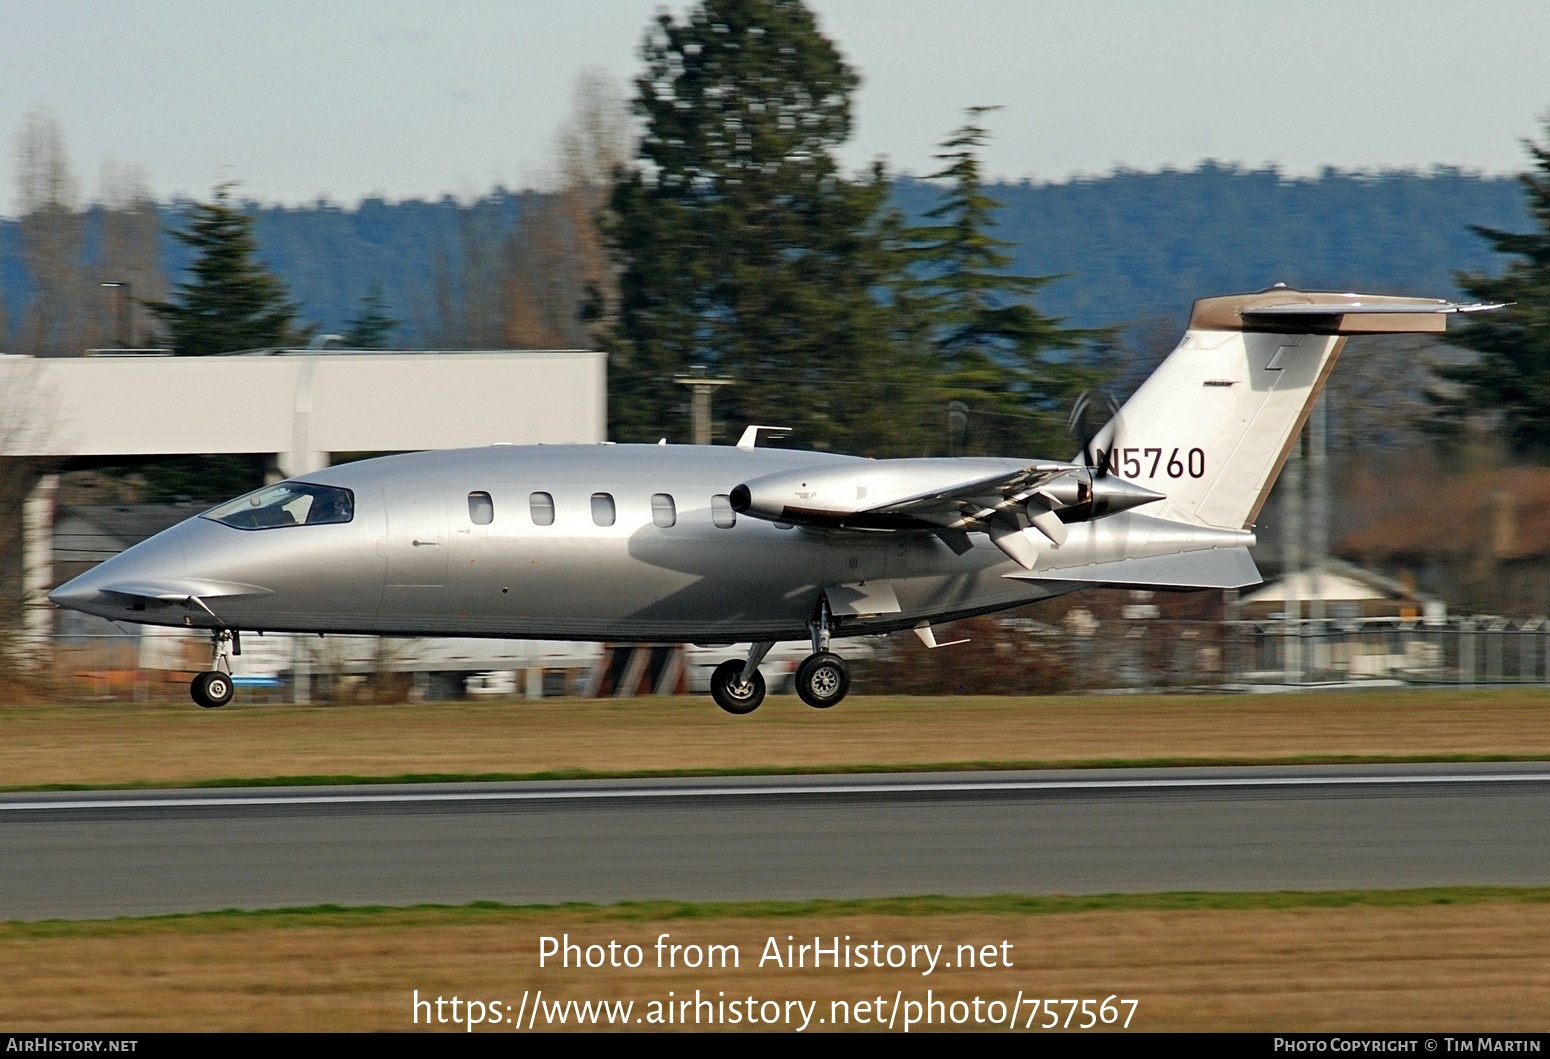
[[1211, 568], [178, 591], [862, 599]]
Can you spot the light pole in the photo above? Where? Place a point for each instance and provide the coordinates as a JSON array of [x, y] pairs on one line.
[[126, 338], [702, 385]]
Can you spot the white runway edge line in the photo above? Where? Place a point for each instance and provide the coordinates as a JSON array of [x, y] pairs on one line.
[[621, 793]]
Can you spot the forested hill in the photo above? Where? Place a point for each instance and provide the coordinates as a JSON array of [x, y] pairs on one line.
[[1132, 246], [1137, 245]]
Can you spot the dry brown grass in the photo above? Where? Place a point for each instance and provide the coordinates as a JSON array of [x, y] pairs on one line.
[[162, 744], [1429, 967]]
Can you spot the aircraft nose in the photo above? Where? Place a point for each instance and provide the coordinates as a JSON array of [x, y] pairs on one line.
[[84, 593], [75, 594], [157, 557]]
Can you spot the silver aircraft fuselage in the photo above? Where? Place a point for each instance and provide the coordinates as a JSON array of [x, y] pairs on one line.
[[413, 560]]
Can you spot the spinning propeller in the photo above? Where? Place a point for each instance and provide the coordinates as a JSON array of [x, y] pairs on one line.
[[1092, 491]]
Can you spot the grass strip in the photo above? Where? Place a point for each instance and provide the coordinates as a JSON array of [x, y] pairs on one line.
[[350, 779], [349, 916]]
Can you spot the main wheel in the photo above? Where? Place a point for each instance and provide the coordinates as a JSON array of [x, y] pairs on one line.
[[211, 690], [822, 680], [730, 691]]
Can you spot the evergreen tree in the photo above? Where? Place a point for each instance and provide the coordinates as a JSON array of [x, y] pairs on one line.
[[372, 325], [229, 301], [1017, 370], [742, 248], [1512, 373]]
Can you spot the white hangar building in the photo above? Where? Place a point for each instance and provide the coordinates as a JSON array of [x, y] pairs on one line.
[[297, 406]]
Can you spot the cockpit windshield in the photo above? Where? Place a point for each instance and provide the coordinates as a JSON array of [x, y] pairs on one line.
[[287, 504]]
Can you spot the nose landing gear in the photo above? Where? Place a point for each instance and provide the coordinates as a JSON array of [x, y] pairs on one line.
[[738, 687], [213, 689]]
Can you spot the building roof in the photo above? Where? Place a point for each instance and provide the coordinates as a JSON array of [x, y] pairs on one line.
[[1505, 512], [1339, 582]]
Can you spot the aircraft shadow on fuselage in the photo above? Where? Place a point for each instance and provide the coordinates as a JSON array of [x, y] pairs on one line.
[[780, 590]]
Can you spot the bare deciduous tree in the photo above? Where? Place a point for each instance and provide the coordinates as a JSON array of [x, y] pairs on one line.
[[130, 230], [1377, 393], [52, 231], [562, 287], [550, 283], [596, 142]]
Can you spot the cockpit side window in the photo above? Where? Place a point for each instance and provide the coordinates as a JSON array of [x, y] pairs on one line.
[[287, 504]]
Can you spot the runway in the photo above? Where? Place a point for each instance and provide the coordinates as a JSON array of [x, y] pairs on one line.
[[1133, 830]]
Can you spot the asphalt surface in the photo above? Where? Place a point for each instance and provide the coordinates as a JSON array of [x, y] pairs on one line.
[[1133, 830]]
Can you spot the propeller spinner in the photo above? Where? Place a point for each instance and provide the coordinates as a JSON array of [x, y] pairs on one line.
[[1090, 492]]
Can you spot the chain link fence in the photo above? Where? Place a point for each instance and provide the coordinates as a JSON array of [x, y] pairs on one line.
[[1002, 656]]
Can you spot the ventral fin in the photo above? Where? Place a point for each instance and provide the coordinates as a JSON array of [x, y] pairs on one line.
[[928, 637]]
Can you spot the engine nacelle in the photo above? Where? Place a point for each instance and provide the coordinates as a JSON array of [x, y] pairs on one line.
[[1083, 498], [845, 493]]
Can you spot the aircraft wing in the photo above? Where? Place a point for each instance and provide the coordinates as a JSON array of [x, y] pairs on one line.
[[979, 499]]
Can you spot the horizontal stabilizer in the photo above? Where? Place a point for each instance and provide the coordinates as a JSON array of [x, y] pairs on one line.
[[1210, 568], [1331, 308], [1288, 310]]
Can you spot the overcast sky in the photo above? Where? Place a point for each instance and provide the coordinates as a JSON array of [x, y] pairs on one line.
[[301, 99]]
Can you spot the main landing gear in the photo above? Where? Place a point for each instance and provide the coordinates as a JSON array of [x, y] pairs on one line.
[[213, 688], [822, 679]]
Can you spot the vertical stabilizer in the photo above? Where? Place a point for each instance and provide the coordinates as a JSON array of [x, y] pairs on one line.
[[1212, 426]]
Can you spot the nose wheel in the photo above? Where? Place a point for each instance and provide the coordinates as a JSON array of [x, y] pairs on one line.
[[212, 689], [733, 692]]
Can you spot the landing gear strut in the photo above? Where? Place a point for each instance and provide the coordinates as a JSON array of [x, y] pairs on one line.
[[213, 688], [738, 687], [823, 678]]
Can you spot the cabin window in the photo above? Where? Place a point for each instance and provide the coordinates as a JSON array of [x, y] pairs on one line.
[[481, 509], [721, 512], [663, 511], [286, 504], [603, 509], [541, 505]]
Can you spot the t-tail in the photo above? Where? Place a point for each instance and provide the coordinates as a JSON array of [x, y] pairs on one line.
[[1212, 427]]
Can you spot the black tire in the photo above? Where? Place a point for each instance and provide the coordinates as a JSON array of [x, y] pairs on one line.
[[823, 680], [211, 690], [729, 691]]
